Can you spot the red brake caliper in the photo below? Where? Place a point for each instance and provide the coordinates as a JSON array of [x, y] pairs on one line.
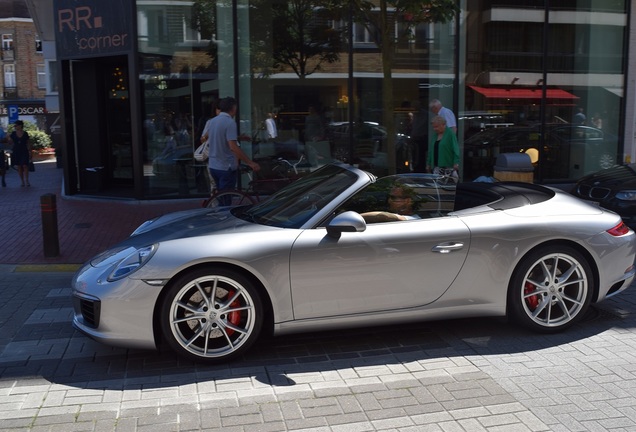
[[532, 301], [233, 317]]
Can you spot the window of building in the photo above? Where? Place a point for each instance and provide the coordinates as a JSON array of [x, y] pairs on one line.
[[191, 32], [51, 77], [9, 76], [7, 42], [38, 44], [41, 71], [361, 34], [546, 78]]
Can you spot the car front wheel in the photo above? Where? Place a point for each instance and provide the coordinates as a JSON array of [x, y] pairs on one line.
[[551, 289], [211, 315]]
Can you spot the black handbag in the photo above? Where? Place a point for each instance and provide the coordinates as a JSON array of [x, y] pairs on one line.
[[31, 166]]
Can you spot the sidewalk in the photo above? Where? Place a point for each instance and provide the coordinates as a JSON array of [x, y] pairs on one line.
[[85, 226]]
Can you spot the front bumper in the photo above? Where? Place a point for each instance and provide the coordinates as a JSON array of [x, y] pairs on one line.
[[115, 313]]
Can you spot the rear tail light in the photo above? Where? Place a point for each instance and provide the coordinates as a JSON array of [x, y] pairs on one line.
[[619, 230]]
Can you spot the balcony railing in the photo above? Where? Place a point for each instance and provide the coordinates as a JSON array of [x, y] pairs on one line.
[[10, 93], [7, 54]]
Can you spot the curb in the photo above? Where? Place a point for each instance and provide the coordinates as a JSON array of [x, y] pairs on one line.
[[30, 268]]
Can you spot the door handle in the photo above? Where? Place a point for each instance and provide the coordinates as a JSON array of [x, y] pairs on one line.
[[445, 248]]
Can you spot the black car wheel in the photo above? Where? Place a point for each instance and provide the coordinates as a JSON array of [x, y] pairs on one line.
[[551, 289], [211, 315]]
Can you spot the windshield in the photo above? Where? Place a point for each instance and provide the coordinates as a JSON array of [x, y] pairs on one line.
[[295, 204]]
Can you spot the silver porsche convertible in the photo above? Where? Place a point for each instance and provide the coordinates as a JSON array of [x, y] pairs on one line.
[[341, 248]]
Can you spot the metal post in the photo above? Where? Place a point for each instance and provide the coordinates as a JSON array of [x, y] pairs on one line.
[[48, 208]]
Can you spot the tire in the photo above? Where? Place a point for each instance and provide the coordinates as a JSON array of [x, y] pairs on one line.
[[235, 198], [207, 329], [539, 298]]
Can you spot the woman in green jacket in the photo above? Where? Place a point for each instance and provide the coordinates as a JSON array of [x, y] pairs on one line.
[[443, 149]]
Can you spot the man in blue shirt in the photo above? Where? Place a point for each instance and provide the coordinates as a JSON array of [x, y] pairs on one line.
[[224, 151]]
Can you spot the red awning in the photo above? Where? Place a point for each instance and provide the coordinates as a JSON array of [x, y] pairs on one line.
[[522, 93]]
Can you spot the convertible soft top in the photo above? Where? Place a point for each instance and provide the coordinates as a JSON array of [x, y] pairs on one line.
[[501, 195]]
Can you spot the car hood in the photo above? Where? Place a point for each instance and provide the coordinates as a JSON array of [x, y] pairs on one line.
[[620, 177], [190, 223]]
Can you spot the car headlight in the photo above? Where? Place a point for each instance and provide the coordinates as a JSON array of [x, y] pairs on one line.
[[132, 263], [626, 195]]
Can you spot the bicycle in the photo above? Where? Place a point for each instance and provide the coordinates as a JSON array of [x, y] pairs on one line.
[[231, 197], [284, 164], [446, 176], [255, 187]]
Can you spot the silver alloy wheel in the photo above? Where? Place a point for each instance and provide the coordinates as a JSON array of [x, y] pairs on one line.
[[212, 316], [555, 290]]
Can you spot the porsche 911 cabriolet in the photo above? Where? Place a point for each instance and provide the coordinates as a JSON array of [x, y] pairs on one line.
[[341, 248]]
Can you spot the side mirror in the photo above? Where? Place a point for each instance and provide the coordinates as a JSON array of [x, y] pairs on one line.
[[348, 221]]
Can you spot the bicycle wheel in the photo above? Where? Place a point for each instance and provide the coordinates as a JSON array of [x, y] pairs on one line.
[[229, 198]]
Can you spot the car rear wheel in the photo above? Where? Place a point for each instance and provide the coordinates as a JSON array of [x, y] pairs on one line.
[[211, 315], [551, 289]]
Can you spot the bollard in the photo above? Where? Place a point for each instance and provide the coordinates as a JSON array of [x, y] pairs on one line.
[[48, 208]]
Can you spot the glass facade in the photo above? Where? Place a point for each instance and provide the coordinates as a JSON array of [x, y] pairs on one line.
[[321, 82], [546, 81]]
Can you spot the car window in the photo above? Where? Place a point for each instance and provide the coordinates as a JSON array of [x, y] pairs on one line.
[[296, 203], [415, 196]]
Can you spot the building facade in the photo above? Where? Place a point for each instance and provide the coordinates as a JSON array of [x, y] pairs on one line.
[[23, 77], [138, 80]]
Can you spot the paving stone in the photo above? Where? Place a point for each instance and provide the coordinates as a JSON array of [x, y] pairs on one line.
[[481, 376]]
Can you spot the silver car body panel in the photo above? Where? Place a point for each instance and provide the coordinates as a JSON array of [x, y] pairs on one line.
[[454, 266]]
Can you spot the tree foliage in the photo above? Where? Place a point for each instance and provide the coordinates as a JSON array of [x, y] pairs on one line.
[[302, 37]]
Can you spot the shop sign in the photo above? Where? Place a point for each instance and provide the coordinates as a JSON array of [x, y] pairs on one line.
[[13, 113], [20, 110], [91, 28]]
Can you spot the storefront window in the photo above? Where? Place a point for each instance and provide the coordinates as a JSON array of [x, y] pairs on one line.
[[317, 83], [185, 61], [297, 68], [545, 82], [394, 82]]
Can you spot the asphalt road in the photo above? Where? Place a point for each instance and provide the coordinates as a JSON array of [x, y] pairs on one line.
[[460, 375]]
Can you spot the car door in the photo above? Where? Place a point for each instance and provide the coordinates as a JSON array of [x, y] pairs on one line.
[[389, 266]]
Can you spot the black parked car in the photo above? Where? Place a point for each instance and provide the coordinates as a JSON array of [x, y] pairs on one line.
[[569, 151], [613, 188]]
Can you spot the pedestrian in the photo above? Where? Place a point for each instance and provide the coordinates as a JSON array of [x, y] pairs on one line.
[[3, 158], [437, 108], [579, 118], [443, 151], [225, 153], [203, 175], [270, 124], [21, 152]]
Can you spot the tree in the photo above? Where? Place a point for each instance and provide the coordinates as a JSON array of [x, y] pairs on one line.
[[381, 18], [302, 38], [204, 21]]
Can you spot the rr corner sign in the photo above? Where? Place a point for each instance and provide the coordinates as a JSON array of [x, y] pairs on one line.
[[89, 28]]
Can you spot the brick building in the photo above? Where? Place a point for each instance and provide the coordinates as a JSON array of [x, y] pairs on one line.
[[23, 78]]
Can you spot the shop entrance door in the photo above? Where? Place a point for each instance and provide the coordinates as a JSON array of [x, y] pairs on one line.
[[102, 126]]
